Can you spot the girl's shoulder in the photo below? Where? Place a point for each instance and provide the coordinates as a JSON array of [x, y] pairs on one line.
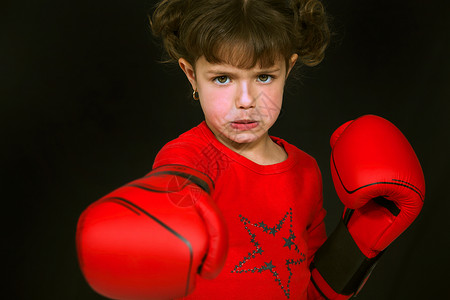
[[293, 150], [194, 148]]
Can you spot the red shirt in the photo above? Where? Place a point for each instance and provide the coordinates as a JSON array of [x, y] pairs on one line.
[[274, 215]]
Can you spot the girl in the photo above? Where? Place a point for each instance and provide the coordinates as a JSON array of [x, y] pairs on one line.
[[228, 186], [237, 56]]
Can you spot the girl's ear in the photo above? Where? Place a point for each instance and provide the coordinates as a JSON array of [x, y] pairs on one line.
[[292, 62], [188, 69]]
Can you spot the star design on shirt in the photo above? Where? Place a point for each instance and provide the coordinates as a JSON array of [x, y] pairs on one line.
[[289, 241], [269, 264]]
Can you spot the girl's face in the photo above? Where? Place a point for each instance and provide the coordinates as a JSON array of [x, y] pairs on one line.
[[240, 105]]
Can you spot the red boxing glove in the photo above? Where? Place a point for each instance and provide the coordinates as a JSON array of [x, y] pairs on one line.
[[372, 159], [380, 181], [149, 238]]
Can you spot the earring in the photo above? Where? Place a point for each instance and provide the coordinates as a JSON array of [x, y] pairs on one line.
[[195, 95]]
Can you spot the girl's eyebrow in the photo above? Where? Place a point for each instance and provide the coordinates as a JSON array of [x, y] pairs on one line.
[[218, 71], [269, 70]]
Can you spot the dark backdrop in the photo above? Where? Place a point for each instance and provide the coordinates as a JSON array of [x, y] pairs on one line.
[[85, 107]]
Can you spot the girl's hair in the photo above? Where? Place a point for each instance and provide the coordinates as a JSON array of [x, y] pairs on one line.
[[242, 32]]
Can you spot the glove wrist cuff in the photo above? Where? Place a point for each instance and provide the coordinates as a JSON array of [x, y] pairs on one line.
[[199, 178], [342, 264]]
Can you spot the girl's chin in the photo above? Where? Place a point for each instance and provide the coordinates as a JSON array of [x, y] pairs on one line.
[[243, 138], [237, 138]]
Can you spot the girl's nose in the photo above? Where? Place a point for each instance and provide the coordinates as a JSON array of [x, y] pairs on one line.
[[245, 98]]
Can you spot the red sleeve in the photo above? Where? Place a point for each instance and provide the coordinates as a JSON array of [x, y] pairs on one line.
[[317, 236], [316, 229], [316, 233]]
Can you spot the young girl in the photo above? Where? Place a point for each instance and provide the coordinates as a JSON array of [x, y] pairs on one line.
[[237, 56], [230, 202]]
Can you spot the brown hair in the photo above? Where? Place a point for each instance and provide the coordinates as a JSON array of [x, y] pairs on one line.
[[222, 30]]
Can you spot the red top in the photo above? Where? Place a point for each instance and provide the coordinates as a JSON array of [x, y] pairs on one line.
[[274, 215]]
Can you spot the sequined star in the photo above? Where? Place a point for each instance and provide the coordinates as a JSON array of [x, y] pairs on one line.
[[288, 242], [269, 264]]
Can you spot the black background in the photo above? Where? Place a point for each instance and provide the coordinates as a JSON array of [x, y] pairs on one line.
[[85, 107]]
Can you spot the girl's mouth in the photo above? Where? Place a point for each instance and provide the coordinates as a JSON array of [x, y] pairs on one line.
[[244, 124]]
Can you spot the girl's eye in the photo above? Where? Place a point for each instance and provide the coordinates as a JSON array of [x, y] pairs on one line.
[[222, 79], [264, 78]]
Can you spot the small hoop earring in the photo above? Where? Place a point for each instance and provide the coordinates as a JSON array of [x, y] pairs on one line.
[[195, 95]]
